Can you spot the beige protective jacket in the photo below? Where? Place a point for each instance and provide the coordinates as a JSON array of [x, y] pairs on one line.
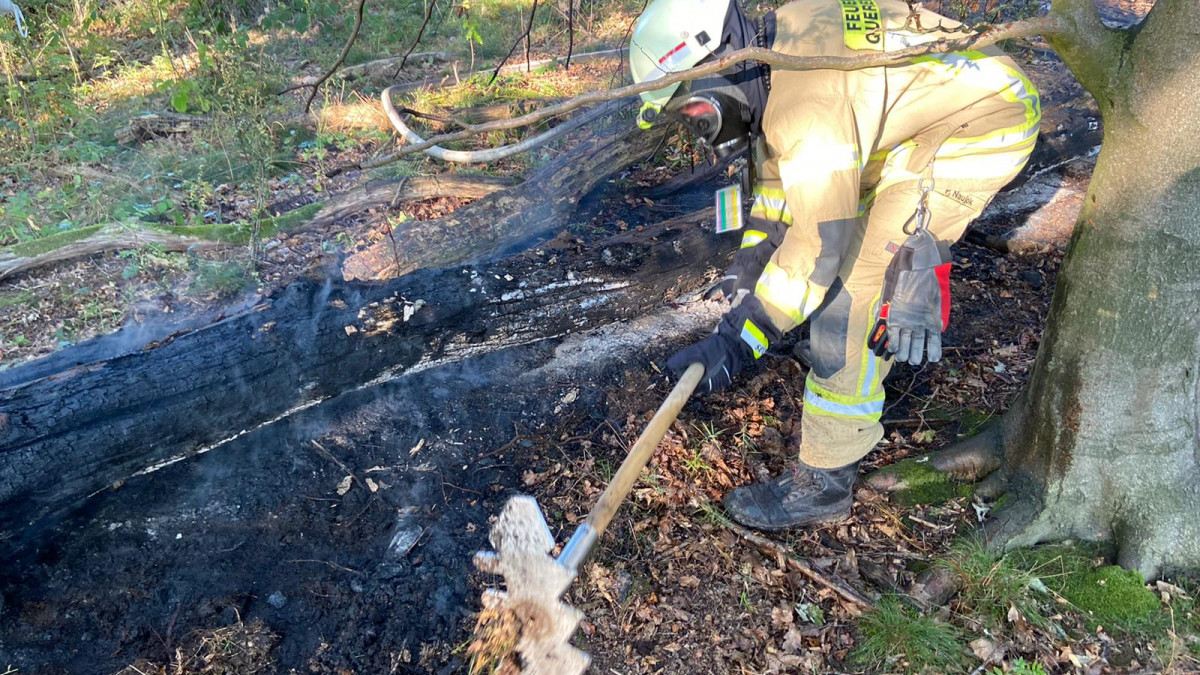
[[836, 139]]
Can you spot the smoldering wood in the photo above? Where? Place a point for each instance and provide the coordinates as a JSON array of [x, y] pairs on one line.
[[80, 421]]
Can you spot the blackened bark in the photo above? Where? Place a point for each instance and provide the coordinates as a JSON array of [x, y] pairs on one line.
[[67, 432]]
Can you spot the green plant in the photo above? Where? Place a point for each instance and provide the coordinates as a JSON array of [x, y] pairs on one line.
[[992, 583], [893, 636], [1021, 667], [709, 513], [222, 279], [695, 463]]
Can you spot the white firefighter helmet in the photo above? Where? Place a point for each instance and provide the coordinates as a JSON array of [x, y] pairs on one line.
[[670, 36]]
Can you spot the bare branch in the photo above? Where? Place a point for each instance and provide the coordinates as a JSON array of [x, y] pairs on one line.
[[989, 36], [420, 33], [523, 37], [570, 32]]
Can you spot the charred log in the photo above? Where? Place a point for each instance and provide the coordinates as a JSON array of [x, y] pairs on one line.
[[542, 204], [71, 424]]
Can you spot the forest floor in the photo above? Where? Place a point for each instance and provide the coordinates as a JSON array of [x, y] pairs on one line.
[[339, 540]]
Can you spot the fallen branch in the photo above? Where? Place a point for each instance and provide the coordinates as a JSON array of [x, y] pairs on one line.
[[371, 68], [857, 602], [988, 36], [101, 239]]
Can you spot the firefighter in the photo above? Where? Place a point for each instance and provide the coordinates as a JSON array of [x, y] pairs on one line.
[[864, 179]]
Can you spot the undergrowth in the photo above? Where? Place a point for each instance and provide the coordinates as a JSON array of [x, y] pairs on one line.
[[895, 637]]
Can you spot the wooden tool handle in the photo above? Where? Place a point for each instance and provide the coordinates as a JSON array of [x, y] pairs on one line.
[[620, 485]]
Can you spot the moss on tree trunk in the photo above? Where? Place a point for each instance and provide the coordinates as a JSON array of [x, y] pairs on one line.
[[1105, 442]]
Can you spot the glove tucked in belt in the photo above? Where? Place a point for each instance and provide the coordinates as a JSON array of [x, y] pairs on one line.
[[759, 241], [915, 304], [744, 334]]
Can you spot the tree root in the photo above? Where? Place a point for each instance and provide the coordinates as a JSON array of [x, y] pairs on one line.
[[931, 476]]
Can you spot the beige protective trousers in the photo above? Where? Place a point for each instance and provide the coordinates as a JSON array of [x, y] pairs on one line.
[[844, 390]]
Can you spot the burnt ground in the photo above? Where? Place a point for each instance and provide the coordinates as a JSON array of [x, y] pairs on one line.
[[346, 530], [338, 540]]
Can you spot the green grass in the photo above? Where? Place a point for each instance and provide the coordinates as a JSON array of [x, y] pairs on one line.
[[991, 583], [894, 637]]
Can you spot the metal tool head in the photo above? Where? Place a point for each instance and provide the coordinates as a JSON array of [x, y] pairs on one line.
[[534, 583]]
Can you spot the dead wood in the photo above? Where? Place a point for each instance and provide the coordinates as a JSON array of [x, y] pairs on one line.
[[385, 68], [158, 125], [856, 603], [373, 194], [369, 195], [542, 204], [97, 413], [933, 588], [114, 238]]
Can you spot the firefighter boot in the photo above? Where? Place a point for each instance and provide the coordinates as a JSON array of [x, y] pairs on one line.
[[800, 496]]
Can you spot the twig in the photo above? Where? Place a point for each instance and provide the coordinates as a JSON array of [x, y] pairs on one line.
[[858, 602], [523, 36], [358, 20], [993, 34], [321, 449], [570, 33], [529, 36], [420, 33]]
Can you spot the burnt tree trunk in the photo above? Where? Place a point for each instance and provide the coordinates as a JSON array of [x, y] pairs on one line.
[[71, 425], [543, 203], [1105, 442]]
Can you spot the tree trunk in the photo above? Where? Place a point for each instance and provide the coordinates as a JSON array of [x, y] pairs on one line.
[[94, 414], [1105, 442], [541, 204]]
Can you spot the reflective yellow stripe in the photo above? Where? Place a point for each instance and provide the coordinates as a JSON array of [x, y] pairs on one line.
[[753, 238], [820, 158], [869, 382], [795, 297], [771, 204], [820, 401], [753, 336], [983, 166], [990, 73], [955, 151]]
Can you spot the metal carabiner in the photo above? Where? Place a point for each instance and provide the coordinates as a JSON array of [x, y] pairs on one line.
[[921, 216]]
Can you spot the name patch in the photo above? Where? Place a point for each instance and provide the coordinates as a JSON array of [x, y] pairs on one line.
[[862, 24]]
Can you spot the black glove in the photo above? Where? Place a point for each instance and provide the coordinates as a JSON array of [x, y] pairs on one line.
[[759, 241], [915, 306], [744, 334]]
